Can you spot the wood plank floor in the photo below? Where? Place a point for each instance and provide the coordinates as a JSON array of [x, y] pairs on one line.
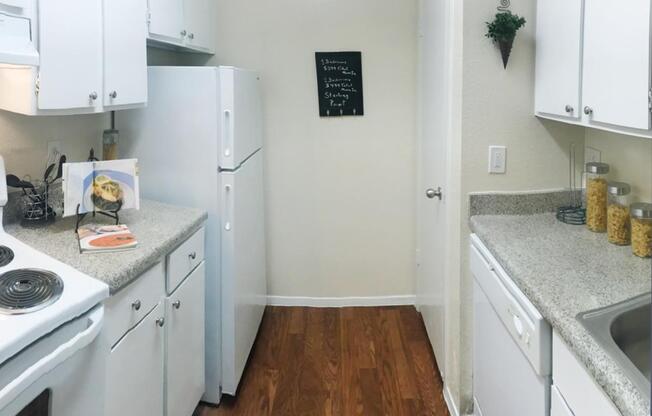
[[332, 362]]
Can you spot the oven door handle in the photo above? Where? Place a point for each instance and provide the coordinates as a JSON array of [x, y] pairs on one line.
[[52, 360]]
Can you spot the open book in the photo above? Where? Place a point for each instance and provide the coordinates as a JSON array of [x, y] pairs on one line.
[[110, 185]]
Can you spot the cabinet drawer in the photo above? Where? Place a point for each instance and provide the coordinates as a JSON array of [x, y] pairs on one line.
[[135, 369], [184, 259], [128, 307], [580, 391]]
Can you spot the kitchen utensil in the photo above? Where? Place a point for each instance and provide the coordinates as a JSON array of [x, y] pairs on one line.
[[62, 160], [48, 172]]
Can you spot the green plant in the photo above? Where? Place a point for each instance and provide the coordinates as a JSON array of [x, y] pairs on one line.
[[504, 26]]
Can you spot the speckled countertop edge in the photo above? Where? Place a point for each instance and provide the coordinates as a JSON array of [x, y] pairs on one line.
[[565, 270], [159, 229]]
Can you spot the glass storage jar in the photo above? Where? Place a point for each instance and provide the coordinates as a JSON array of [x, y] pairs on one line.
[[596, 196], [641, 229], [618, 224]]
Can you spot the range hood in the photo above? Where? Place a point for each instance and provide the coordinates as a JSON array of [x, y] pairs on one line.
[[16, 40]]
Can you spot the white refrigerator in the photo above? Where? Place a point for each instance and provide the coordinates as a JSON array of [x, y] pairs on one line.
[[199, 143]]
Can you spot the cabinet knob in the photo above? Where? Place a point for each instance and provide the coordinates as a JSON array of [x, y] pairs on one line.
[[569, 109], [191, 36], [160, 322], [136, 305], [93, 96], [176, 304], [184, 33], [588, 110], [113, 94]]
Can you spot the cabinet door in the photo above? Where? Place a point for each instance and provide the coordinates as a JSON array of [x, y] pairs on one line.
[[166, 20], [558, 406], [70, 47], [199, 22], [558, 57], [185, 345], [617, 62], [125, 52], [135, 369]]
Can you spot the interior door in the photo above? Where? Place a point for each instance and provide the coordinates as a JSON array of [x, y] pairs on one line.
[[125, 52], [558, 60], [244, 280], [431, 199], [184, 374], [166, 20], [70, 47], [617, 62]]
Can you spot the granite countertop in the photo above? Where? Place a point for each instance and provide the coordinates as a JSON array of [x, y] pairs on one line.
[[565, 270], [158, 227]]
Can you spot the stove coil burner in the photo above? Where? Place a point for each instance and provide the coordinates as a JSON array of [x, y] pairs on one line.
[[6, 255], [28, 290]]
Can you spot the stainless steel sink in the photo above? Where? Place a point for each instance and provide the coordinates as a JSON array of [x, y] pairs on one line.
[[623, 330]]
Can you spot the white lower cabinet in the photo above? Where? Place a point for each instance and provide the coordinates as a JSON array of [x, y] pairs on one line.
[[156, 364], [135, 369], [184, 373], [574, 391]]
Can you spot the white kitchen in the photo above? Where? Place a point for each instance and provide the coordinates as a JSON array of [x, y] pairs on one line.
[[363, 207]]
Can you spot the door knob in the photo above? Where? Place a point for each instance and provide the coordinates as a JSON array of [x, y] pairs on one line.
[[431, 193], [113, 94], [569, 109], [93, 96], [176, 304], [588, 110], [160, 322]]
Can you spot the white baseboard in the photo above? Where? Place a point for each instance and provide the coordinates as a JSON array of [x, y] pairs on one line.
[[448, 398], [340, 302]]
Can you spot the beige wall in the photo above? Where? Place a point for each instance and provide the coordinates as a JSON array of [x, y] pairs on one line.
[[497, 109], [23, 139], [340, 200], [630, 159]]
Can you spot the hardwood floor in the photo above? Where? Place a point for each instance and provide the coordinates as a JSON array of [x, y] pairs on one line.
[[331, 362]]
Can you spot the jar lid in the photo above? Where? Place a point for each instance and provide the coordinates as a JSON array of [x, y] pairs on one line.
[[597, 167], [619, 188], [641, 210]]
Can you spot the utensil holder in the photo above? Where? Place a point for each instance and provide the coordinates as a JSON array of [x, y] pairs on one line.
[[36, 207]]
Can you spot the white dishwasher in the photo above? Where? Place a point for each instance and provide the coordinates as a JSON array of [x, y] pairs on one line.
[[512, 345]]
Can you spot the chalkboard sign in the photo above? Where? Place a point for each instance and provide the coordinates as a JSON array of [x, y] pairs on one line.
[[339, 81]]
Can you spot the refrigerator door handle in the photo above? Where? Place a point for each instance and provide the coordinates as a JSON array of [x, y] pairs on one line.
[[228, 133], [227, 211]]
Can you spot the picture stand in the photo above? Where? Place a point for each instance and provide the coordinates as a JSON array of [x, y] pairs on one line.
[[111, 214]]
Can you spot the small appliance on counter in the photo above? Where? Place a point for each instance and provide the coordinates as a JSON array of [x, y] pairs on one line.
[[51, 356]]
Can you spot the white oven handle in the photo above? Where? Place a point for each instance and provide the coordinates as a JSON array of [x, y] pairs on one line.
[[52, 360]]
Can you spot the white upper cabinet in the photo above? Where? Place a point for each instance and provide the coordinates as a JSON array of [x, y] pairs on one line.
[[166, 20], [70, 45], [617, 63], [125, 52], [182, 24], [559, 40], [592, 70], [200, 19]]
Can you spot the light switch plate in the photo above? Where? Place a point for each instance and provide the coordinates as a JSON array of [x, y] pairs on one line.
[[497, 159]]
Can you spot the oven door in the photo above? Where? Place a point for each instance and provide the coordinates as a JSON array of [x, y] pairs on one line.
[[61, 374]]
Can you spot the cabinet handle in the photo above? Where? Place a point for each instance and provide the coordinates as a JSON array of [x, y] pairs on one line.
[[176, 304], [588, 110], [136, 305], [93, 96], [191, 36], [184, 33], [569, 109], [113, 95], [160, 322], [192, 255]]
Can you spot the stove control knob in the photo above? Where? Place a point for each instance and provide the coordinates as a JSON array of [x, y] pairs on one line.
[[160, 322], [136, 305]]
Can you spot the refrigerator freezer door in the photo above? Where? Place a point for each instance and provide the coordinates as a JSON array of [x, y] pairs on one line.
[[241, 115], [244, 281]]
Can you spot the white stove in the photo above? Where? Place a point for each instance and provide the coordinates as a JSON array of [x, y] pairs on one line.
[[50, 320]]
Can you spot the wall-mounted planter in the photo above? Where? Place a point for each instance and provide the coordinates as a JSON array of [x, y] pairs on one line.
[[502, 30]]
